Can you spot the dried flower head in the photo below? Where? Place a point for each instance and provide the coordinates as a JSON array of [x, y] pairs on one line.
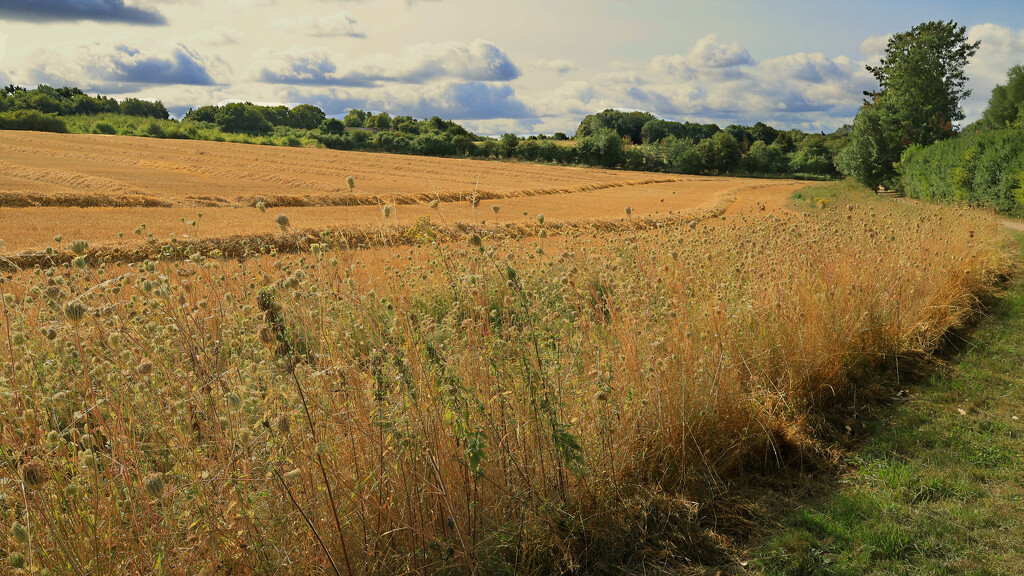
[[144, 368], [154, 484], [284, 424], [74, 313], [79, 247], [34, 474], [351, 182], [282, 222], [19, 532]]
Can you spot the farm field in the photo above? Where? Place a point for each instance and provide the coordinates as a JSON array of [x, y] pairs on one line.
[[500, 393], [102, 188]]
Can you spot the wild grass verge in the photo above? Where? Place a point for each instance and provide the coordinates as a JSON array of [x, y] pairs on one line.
[[935, 487], [491, 408]]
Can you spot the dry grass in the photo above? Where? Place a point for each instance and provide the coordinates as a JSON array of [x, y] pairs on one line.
[[514, 403]]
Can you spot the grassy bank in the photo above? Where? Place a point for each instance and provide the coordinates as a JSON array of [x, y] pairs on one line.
[[936, 487]]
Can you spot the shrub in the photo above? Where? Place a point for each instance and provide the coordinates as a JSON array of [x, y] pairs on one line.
[[104, 128], [31, 120], [983, 169]]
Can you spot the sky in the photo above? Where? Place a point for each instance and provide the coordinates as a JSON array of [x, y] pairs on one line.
[[495, 66]]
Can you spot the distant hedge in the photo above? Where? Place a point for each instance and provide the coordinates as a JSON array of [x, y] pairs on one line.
[[31, 120], [981, 169]]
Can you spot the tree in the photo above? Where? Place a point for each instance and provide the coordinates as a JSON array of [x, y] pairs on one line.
[[764, 159], [719, 153], [355, 118], [242, 118], [306, 116], [921, 85], [1006, 107], [509, 143]]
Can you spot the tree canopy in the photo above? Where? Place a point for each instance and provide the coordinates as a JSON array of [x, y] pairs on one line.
[[921, 86], [1006, 107]]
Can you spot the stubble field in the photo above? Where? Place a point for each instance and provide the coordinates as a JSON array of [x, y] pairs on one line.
[[101, 189]]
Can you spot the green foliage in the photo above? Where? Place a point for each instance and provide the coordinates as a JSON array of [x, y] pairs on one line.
[[922, 83], [765, 159], [1006, 107], [509, 143], [32, 120], [306, 117], [922, 78], [719, 153], [242, 119], [72, 101], [814, 157], [874, 147], [984, 169], [356, 118]]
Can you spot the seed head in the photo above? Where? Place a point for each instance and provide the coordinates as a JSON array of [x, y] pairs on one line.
[[144, 368], [540, 218], [20, 532], [154, 484], [16, 559], [351, 182], [74, 313], [282, 222], [496, 208], [629, 211], [386, 210], [33, 474], [261, 206], [267, 336], [433, 204], [79, 247], [474, 240], [284, 424]]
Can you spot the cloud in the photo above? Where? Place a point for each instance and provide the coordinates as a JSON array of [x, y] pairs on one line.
[[1001, 48], [560, 66], [75, 10], [219, 36], [334, 24], [710, 53], [419, 64], [454, 100], [118, 67], [716, 82], [873, 46]]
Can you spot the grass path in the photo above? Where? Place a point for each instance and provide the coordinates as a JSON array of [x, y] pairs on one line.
[[937, 486]]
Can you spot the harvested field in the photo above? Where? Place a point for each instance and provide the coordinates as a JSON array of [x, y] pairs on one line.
[[102, 188]]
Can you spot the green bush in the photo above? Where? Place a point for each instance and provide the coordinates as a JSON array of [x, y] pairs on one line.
[[104, 128], [982, 169], [31, 120]]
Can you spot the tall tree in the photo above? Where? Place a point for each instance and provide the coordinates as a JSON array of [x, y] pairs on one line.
[[921, 85], [1006, 107]]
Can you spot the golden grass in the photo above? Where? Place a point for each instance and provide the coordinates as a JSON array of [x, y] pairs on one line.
[[515, 403]]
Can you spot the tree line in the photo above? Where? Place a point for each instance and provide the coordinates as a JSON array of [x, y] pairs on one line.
[[611, 139]]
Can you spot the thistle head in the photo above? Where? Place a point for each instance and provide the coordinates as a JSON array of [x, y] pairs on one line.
[[351, 182], [154, 484], [74, 313], [282, 222]]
